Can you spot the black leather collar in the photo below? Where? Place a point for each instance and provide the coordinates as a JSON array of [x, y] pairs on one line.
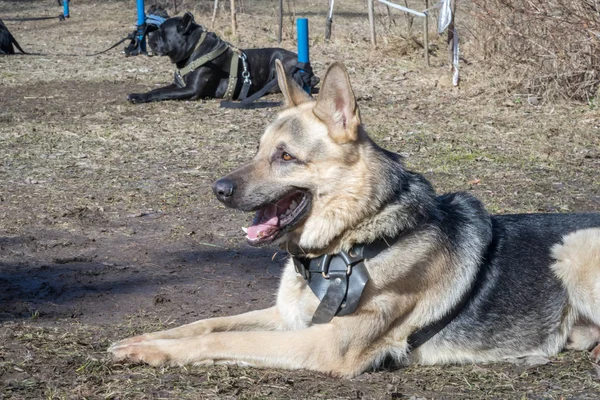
[[339, 280]]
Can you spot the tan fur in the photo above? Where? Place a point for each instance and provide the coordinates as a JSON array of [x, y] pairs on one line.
[[578, 267], [404, 294], [583, 336]]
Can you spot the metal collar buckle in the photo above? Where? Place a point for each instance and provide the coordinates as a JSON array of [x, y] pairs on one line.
[[326, 261], [245, 72], [305, 267]]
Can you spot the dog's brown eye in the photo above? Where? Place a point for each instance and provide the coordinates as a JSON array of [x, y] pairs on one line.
[[286, 157]]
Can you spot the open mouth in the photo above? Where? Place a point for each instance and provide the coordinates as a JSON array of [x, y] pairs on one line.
[[271, 221]]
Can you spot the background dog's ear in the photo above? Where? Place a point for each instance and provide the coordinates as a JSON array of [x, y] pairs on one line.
[[293, 94], [336, 105], [186, 23]]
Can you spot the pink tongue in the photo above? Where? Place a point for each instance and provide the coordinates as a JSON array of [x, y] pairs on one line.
[[263, 229]]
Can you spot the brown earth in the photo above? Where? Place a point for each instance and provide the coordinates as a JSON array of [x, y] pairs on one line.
[[109, 227]]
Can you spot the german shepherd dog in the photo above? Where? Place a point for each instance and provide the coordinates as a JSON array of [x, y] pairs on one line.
[[432, 279]]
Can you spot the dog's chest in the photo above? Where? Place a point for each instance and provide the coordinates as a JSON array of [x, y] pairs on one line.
[[296, 303]]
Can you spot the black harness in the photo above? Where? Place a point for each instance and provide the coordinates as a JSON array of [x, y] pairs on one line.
[[338, 280], [219, 48]]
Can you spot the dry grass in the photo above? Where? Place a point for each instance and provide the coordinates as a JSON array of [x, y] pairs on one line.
[[77, 353], [547, 48], [109, 227]]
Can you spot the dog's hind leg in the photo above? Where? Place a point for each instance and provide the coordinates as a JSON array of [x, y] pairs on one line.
[[583, 336], [578, 267]]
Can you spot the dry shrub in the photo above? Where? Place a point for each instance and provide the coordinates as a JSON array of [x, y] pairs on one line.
[[552, 47]]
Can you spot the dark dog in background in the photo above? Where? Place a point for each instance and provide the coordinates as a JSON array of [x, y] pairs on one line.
[[7, 40], [186, 42]]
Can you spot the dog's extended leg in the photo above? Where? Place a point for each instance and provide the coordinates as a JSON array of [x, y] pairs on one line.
[[171, 92], [264, 320], [341, 347]]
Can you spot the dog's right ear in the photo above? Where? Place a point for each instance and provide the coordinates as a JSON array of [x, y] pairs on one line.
[[186, 23], [293, 94], [336, 105]]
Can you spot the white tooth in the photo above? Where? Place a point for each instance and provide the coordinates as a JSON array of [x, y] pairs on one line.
[[245, 229], [294, 204]]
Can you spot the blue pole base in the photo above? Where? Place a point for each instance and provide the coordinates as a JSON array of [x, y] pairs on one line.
[[303, 50], [137, 45]]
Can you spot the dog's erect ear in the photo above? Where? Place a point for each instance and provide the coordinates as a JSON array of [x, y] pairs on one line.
[[294, 95], [186, 23], [336, 105]]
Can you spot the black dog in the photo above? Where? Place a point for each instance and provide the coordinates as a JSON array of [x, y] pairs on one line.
[[207, 65], [7, 41]]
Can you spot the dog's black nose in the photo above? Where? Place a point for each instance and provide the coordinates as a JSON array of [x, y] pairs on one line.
[[223, 189]]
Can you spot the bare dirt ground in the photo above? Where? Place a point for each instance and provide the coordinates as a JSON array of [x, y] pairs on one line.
[[108, 226]]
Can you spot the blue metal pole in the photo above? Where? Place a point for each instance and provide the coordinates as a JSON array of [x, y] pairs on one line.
[[66, 8], [303, 52], [141, 19]]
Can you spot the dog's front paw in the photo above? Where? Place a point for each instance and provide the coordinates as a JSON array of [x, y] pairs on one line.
[[131, 340], [151, 352], [136, 98]]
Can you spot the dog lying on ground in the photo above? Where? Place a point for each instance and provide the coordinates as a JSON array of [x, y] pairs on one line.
[[380, 266], [7, 40], [206, 66]]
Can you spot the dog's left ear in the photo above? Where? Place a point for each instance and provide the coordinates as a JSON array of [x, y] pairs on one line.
[[186, 23], [336, 105], [293, 94]]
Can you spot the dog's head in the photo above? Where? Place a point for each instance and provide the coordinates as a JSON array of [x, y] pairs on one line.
[[176, 37], [159, 10], [309, 181]]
